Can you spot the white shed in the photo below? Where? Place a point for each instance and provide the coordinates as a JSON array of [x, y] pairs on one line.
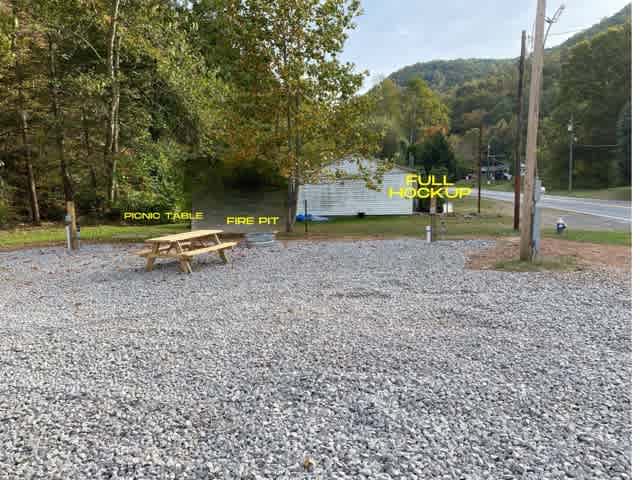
[[348, 196]]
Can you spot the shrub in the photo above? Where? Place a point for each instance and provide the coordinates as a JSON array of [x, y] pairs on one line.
[[153, 181], [5, 213]]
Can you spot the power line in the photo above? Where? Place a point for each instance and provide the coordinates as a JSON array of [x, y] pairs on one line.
[[596, 146], [568, 32]]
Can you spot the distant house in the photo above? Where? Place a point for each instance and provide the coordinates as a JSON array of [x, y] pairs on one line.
[[344, 194]]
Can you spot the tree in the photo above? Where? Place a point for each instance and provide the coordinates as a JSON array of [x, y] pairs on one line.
[[288, 86], [465, 149], [389, 101], [624, 142], [166, 96], [387, 98], [22, 115], [594, 88], [436, 153], [111, 146], [421, 109]]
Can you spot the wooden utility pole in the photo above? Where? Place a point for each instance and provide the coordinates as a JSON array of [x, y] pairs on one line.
[[479, 167], [571, 140], [518, 142], [527, 248]]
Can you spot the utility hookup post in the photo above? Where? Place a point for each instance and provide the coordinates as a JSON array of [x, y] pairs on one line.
[[432, 227], [71, 227], [67, 230]]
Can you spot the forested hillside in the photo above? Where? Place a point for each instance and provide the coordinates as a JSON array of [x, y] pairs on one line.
[[619, 18], [443, 75], [588, 76], [124, 105], [102, 103]]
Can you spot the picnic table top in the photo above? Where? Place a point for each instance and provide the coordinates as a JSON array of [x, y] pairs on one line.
[[178, 237]]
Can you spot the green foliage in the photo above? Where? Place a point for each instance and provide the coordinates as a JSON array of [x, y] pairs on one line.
[[444, 75], [492, 98], [169, 108], [252, 92], [623, 134], [594, 236], [560, 263], [435, 156], [5, 213], [595, 88], [587, 76], [618, 19], [421, 109], [153, 179], [291, 102], [406, 116]]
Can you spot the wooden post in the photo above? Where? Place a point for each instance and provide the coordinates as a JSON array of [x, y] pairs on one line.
[[71, 211], [433, 227], [527, 251], [571, 140], [518, 141]]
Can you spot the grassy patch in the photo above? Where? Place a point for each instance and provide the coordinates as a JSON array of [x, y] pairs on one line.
[[102, 233], [559, 264], [608, 237], [495, 220], [618, 193], [499, 185]]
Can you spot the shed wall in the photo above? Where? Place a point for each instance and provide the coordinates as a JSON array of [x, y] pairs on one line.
[[349, 197]]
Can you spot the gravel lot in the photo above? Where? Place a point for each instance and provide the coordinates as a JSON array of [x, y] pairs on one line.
[[370, 359]]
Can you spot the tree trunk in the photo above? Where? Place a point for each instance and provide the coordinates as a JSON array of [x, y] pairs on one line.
[[413, 120], [33, 193], [111, 137], [115, 146], [93, 175], [57, 119], [291, 183], [296, 167], [24, 125]]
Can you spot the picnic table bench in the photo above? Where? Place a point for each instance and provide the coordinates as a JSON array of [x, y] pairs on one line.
[[184, 246]]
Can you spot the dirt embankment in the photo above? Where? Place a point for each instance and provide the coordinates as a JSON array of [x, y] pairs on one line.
[[587, 255]]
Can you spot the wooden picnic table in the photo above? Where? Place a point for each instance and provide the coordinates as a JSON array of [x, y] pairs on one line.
[[184, 246]]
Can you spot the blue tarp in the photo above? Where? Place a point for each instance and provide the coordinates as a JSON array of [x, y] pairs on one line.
[[311, 218]]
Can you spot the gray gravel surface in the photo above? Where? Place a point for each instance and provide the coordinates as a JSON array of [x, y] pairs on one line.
[[370, 359]]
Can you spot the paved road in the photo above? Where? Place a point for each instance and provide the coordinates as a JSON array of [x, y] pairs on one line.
[[608, 214]]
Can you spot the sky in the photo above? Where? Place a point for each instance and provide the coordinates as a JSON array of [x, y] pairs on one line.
[[394, 33]]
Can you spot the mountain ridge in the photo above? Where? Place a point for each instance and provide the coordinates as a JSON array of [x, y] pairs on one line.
[[445, 75]]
